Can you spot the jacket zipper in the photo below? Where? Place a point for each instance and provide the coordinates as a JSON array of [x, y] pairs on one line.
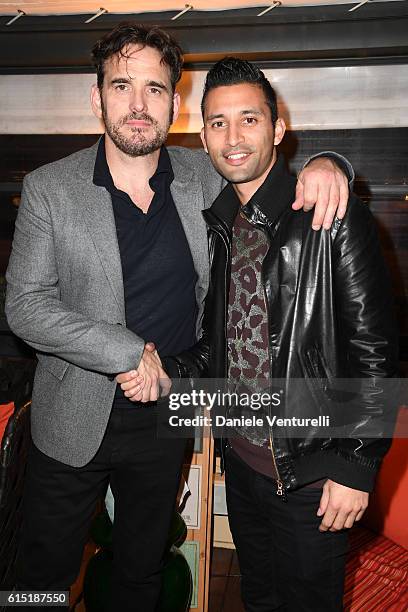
[[280, 490]]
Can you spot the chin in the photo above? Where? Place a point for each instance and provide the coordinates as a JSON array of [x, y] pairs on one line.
[[236, 177]]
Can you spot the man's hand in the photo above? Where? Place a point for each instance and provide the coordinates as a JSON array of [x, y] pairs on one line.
[[340, 506], [143, 384], [322, 184]]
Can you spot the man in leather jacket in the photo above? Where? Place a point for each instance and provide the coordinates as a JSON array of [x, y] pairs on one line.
[[286, 302]]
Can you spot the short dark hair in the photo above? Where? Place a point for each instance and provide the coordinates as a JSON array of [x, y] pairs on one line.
[[233, 71], [128, 33]]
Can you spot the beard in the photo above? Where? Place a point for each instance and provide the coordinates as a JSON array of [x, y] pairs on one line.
[[138, 143]]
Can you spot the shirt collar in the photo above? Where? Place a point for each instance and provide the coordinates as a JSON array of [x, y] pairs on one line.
[[103, 178]]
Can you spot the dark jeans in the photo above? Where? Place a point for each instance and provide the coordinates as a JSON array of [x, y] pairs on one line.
[[286, 563], [59, 501]]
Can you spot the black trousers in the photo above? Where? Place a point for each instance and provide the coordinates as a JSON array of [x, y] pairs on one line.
[[286, 563], [59, 501]]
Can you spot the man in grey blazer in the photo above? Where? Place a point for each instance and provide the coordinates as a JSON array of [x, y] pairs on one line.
[[110, 252]]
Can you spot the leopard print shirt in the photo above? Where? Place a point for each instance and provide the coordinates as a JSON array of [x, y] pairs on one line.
[[247, 331]]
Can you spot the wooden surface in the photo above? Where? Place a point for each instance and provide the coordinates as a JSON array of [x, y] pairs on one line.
[[225, 582], [203, 535]]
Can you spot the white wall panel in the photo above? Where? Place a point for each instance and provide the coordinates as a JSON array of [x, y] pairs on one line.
[[47, 104], [309, 98]]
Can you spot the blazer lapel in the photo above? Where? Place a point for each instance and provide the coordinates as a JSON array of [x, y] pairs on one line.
[[99, 218], [189, 200]]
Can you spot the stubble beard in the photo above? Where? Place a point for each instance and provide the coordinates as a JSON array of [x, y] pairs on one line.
[[140, 144], [233, 174]]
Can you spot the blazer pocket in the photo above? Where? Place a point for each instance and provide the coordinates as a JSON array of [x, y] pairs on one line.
[[55, 365]]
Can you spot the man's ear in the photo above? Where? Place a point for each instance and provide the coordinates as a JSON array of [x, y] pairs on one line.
[[202, 136], [176, 107], [280, 129], [96, 102]]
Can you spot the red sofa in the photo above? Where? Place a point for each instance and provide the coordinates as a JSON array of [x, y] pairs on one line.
[[377, 567]]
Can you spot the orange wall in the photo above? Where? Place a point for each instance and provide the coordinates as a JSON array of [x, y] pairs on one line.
[[388, 507]]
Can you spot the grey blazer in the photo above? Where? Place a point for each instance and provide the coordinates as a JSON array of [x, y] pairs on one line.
[[65, 293]]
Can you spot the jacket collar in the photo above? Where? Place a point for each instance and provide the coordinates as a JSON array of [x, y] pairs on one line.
[[275, 195]]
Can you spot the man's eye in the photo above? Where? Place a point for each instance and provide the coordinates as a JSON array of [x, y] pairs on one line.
[[154, 90], [250, 120], [121, 87], [217, 124]]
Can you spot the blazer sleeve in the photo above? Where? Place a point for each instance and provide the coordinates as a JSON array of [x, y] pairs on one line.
[[341, 161], [35, 311]]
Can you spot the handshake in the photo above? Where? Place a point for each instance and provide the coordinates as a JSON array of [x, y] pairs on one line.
[[149, 381]]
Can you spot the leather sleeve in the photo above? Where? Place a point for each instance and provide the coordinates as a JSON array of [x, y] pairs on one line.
[[192, 363], [368, 331]]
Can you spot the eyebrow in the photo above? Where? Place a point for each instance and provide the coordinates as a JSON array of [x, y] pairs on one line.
[[119, 80], [250, 111], [158, 84], [150, 83]]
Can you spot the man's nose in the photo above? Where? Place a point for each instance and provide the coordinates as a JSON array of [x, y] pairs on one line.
[[138, 101], [234, 135]]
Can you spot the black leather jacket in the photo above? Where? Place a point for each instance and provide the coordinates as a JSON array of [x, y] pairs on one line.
[[329, 312]]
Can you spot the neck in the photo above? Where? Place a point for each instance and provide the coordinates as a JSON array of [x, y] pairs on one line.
[[131, 173], [245, 191]]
